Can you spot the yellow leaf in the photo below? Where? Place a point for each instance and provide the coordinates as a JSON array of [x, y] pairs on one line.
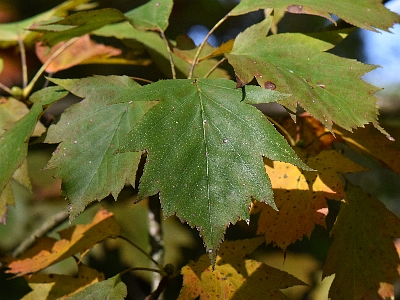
[[48, 251], [234, 276]]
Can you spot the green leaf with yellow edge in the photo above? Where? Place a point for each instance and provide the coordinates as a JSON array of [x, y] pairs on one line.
[[300, 197], [89, 133], [56, 286], [367, 14], [152, 15], [48, 251], [77, 24], [234, 277], [156, 48], [296, 64], [363, 233], [205, 148], [10, 33], [111, 289]]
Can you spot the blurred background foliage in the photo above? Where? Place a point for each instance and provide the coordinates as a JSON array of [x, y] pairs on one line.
[[304, 259]]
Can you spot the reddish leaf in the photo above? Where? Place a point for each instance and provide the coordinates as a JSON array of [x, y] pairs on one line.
[[75, 239], [81, 51]]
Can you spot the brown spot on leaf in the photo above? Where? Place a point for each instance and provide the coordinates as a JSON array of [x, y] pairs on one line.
[[269, 85]]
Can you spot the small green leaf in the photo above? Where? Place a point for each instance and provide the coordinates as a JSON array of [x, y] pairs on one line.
[[11, 32], [111, 289], [14, 142], [205, 147], [158, 52], [89, 133], [78, 24], [153, 15], [367, 14], [296, 64]]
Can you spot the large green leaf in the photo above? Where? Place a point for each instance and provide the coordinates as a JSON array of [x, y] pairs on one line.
[[367, 14], [14, 142], [205, 148], [11, 32], [362, 253], [153, 15], [78, 24], [89, 133], [297, 64], [158, 51]]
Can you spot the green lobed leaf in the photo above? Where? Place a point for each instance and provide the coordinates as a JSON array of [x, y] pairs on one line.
[[78, 24], [153, 15], [296, 64], [363, 234], [367, 14], [111, 289], [11, 32], [89, 133], [205, 148], [157, 50]]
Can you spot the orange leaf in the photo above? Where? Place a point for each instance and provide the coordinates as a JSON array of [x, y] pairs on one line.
[[299, 212], [301, 196], [233, 277], [54, 286], [81, 51], [76, 239]]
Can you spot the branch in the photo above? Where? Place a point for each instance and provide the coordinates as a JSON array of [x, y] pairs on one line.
[[196, 56], [42, 231], [171, 60]]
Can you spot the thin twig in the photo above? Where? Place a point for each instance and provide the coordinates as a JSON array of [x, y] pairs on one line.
[[215, 67], [171, 60], [291, 140], [141, 250], [6, 88], [141, 269], [23, 62], [141, 79], [29, 88], [46, 227], [196, 56]]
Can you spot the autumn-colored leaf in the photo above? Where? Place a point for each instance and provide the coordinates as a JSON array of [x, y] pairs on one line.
[[81, 51], [298, 213], [362, 254], [73, 240], [234, 277], [55, 286], [300, 197], [370, 141]]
